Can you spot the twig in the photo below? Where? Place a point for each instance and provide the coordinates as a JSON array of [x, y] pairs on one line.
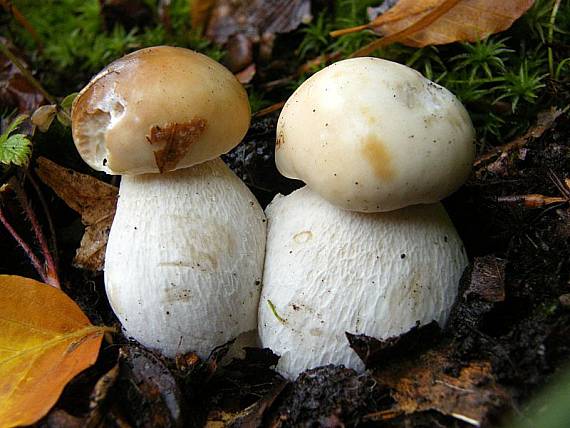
[[544, 122], [268, 110], [49, 219], [467, 419], [454, 387], [164, 14], [33, 259], [551, 22], [22, 20], [417, 26], [50, 269], [26, 73]]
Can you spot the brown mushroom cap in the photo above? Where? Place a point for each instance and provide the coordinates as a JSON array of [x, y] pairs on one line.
[[159, 109]]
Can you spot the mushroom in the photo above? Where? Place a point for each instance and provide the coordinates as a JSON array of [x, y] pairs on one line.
[[184, 258], [329, 271], [372, 135], [365, 247]]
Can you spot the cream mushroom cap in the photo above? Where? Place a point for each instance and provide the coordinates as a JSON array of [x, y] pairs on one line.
[[372, 135], [159, 109]]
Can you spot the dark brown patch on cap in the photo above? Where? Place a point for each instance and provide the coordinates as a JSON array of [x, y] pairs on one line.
[[176, 139], [280, 140], [374, 150]]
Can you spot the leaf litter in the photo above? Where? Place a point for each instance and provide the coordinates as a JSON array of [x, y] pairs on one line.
[[46, 340], [93, 199]]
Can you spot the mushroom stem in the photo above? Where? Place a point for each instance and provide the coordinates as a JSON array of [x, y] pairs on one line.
[[184, 259], [329, 271]]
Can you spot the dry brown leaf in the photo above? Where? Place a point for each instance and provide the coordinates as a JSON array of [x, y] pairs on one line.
[[544, 122], [427, 383], [15, 90], [93, 199], [157, 401], [46, 340], [249, 417], [437, 22], [246, 75], [256, 17]]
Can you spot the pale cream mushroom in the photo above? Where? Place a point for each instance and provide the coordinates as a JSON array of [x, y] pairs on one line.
[[185, 253], [372, 135]]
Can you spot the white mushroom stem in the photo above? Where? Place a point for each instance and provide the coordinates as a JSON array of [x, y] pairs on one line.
[[184, 259], [329, 271]]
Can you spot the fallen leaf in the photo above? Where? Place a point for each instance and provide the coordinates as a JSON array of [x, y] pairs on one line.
[[544, 122], [246, 75], [437, 22], [61, 419], [15, 90], [149, 390], [46, 340], [99, 397], [250, 417], [98, 406], [253, 415], [487, 279], [375, 12], [482, 288], [373, 351], [93, 199], [434, 381], [255, 18], [239, 53]]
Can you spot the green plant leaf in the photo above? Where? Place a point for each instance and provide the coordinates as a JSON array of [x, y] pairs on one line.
[[15, 149]]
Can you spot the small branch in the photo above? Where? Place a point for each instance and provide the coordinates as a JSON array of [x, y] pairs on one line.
[[164, 14], [551, 36], [344, 31], [50, 268], [49, 219], [35, 261], [22, 20], [268, 110], [27, 74], [417, 26]]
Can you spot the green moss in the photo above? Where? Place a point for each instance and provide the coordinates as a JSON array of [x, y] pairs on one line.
[[76, 44], [504, 80]]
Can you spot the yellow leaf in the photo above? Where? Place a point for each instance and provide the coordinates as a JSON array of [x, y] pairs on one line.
[[45, 341], [437, 22]]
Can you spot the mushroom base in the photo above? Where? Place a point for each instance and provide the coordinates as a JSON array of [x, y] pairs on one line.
[[329, 271]]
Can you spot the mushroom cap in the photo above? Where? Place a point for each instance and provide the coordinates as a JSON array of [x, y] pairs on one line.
[[372, 135], [184, 259], [329, 271], [159, 109]]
